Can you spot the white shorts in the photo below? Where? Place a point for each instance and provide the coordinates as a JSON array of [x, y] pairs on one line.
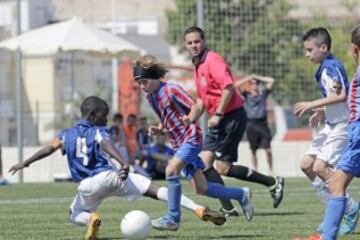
[[329, 143], [93, 190]]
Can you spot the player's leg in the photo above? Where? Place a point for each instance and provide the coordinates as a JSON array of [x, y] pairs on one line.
[[215, 190], [172, 219], [328, 157], [230, 131], [91, 192], [336, 206], [208, 157], [204, 213]]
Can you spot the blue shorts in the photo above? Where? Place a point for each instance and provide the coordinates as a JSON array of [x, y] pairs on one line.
[[350, 161], [188, 153]]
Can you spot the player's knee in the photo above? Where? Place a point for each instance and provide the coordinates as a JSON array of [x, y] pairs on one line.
[[319, 168], [306, 165], [222, 169], [201, 189]]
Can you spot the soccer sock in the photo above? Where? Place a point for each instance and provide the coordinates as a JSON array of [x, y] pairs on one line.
[[321, 189], [174, 198], [80, 218], [216, 190], [247, 174], [333, 216], [213, 176], [351, 204], [185, 202]]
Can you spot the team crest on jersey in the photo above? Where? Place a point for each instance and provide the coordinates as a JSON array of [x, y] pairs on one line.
[[203, 82]]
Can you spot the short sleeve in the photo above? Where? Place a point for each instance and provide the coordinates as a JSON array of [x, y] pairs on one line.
[[61, 137], [334, 79], [102, 133]]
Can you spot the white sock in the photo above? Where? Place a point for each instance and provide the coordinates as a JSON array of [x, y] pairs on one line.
[[321, 189], [80, 218], [185, 202]]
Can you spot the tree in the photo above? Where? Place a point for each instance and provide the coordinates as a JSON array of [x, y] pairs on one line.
[[253, 36]]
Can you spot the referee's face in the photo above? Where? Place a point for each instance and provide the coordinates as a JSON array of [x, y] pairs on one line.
[[194, 43]]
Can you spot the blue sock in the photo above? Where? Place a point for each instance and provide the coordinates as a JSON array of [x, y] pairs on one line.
[[217, 190], [335, 209], [174, 197]]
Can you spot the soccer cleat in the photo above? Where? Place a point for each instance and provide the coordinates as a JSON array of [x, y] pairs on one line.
[[315, 236], [165, 223], [277, 191], [206, 214], [93, 227], [246, 204], [349, 221], [320, 228], [229, 213], [4, 182]]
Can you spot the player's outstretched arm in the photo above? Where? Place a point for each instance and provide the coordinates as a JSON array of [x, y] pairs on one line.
[[301, 107], [42, 153], [109, 148]]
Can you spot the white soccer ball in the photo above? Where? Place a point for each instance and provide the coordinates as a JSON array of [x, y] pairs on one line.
[[136, 225]]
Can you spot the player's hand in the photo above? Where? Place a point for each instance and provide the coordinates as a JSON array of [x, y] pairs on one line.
[[214, 121], [154, 130], [123, 172], [16, 168], [316, 118], [186, 119], [301, 107]]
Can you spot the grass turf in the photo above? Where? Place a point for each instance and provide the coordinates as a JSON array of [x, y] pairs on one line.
[[40, 211]]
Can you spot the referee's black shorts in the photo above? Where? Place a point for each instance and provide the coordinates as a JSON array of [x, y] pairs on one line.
[[224, 139], [258, 134]]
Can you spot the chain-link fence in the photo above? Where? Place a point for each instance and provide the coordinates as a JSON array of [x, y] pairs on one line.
[[263, 37]]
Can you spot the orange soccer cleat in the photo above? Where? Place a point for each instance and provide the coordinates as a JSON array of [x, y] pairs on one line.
[[315, 236], [93, 227]]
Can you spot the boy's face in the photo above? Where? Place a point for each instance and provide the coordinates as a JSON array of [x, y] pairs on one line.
[[254, 85], [149, 85], [314, 52], [194, 43]]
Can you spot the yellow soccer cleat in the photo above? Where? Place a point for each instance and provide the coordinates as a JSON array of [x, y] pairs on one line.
[[93, 227], [206, 214]]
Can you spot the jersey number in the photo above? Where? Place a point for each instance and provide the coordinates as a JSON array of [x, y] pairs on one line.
[[81, 150]]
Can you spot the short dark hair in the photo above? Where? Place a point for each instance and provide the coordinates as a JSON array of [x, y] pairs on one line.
[[195, 29], [355, 36], [321, 35], [92, 104], [118, 117]]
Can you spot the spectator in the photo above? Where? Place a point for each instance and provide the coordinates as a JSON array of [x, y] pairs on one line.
[[258, 132], [117, 134], [130, 133], [143, 139], [158, 157]]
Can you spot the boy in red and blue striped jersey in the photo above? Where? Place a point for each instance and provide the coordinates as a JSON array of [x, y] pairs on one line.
[[171, 103]]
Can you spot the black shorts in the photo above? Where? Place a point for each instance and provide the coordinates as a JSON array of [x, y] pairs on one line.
[[224, 139], [258, 134]]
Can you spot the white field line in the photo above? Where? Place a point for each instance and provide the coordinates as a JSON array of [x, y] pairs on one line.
[[289, 192]]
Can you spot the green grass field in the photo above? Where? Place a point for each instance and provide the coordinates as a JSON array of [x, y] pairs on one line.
[[40, 211]]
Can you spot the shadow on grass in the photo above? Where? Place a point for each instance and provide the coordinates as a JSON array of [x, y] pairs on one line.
[[232, 236], [278, 213]]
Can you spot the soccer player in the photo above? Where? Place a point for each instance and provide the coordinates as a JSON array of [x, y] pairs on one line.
[[170, 102], [227, 123], [257, 131], [349, 165], [329, 144], [87, 147]]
